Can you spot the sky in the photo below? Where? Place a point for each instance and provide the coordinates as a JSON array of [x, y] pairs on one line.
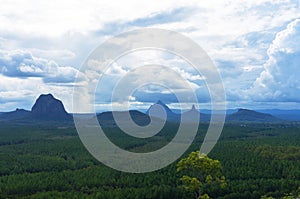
[[254, 44]]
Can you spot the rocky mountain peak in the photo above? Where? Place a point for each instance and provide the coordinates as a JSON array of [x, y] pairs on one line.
[[49, 108]]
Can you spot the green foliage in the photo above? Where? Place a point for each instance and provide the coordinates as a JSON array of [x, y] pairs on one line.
[[49, 161], [266, 197], [201, 171], [191, 184], [294, 195], [279, 152]]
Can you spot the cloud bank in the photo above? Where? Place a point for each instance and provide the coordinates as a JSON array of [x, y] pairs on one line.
[[253, 43]]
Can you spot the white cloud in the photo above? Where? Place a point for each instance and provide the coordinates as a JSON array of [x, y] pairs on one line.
[[280, 79], [19, 63], [53, 54], [59, 17], [116, 70], [282, 41], [54, 38]]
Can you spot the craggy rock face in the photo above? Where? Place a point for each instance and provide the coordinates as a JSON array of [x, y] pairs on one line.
[[48, 108]]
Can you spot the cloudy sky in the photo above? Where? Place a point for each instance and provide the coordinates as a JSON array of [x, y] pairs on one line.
[[254, 44]]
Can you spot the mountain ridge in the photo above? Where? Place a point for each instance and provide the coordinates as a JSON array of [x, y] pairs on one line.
[[48, 108]]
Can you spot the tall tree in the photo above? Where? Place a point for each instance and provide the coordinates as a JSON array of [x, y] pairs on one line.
[[199, 171]]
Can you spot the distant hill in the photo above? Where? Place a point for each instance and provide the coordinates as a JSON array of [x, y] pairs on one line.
[[46, 108], [192, 114], [242, 115], [107, 118], [290, 115], [142, 119], [16, 115], [189, 116], [245, 115]]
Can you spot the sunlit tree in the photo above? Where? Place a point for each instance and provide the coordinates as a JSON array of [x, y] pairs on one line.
[[199, 171]]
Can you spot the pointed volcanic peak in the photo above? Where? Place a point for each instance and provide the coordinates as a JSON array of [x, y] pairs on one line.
[[193, 115], [47, 107], [160, 110], [245, 115], [193, 109]]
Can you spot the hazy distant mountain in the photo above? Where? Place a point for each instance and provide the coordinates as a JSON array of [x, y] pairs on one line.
[[245, 115], [192, 114], [290, 115], [188, 116], [156, 110], [107, 118], [47, 107]]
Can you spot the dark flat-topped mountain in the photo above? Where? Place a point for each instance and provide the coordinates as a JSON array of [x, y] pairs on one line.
[[47, 107], [245, 115]]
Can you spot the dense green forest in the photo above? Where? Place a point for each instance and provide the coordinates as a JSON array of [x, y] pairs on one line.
[[49, 161]]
